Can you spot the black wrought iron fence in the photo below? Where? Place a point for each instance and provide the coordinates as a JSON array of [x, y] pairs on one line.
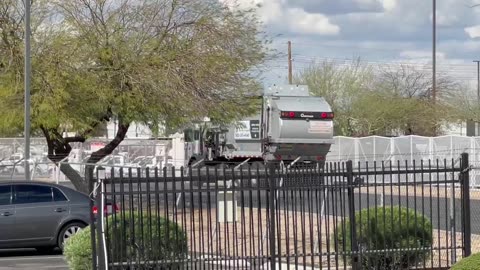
[[334, 217]]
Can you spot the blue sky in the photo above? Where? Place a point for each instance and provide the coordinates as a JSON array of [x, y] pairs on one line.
[[377, 31]]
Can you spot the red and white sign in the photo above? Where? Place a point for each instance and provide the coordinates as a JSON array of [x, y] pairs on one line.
[[320, 127], [94, 146]]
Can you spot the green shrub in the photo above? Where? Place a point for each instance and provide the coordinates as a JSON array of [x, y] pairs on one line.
[[151, 238], [78, 250], [389, 237], [469, 263], [136, 239]]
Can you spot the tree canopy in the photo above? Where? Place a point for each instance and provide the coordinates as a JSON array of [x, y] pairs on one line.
[[148, 61], [386, 101]]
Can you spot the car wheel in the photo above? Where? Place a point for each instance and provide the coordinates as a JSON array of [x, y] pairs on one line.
[[68, 231]]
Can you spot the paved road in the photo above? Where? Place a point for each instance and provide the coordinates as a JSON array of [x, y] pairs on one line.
[[29, 260]]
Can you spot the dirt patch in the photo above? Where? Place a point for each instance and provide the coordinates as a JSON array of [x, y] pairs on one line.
[[302, 238], [425, 191]]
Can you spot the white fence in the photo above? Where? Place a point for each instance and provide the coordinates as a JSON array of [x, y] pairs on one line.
[[366, 149], [408, 148]]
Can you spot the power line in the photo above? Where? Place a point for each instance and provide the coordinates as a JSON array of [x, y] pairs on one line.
[[290, 68], [463, 69], [365, 61], [460, 71], [319, 45]]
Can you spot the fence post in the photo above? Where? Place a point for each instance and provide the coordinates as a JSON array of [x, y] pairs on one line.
[[100, 224], [351, 210], [271, 199], [89, 179], [465, 182]]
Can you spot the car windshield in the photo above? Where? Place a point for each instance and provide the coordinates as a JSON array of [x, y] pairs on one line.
[[138, 159], [106, 160], [118, 160], [146, 161]]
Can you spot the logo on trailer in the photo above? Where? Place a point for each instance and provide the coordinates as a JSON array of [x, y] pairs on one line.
[[306, 115], [247, 130]]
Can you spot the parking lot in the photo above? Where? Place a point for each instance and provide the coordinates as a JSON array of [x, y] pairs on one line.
[[29, 259]]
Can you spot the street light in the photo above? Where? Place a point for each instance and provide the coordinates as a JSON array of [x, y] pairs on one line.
[[478, 93], [101, 173], [101, 207], [434, 50], [27, 89]]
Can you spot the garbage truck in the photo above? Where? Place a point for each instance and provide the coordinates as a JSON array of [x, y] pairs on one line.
[[291, 126]]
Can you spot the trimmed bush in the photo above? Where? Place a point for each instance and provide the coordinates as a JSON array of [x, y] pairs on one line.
[[469, 263], [78, 251], [389, 237], [139, 238], [146, 238]]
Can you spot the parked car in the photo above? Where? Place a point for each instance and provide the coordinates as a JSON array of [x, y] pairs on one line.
[[115, 162], [41, 215], [9, 165], [15, 165]]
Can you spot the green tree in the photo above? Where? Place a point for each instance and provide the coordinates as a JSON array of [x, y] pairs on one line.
[[381, 101], [409, 91], [465, 105], [149, 61], [340, 85]]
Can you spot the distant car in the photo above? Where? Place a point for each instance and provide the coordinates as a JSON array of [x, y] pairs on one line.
[[41, 215], [15, 165]]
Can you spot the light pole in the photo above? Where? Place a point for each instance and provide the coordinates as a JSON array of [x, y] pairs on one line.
[[478, 92], [478, 79], [290, 62], [434, 51], [27, 90]]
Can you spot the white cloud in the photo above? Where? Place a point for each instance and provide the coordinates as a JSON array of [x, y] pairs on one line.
[[375, 30], [310, 23], [446, 19], [269, 11], [389, 5], [365, 2], [473, 31], [421, 55], [296, 20]]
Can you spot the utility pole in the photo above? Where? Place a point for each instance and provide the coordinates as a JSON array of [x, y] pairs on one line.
[[434, 51], [478, 79], [478, 92], [290, 69], [27, 90]]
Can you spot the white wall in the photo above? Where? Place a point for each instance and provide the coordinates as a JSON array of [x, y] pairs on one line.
[[456, 129], [136, 131]]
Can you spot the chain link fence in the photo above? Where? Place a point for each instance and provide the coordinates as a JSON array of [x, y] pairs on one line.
[[135, 153]]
